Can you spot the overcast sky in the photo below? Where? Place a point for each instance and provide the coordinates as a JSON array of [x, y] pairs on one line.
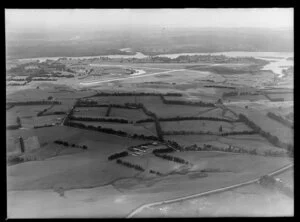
[[91, 18]]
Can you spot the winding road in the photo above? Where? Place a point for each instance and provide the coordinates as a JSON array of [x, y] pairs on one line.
[[139, 209]]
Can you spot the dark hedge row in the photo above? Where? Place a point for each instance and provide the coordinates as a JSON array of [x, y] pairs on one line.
[[43, 79], [15, 126], [9, 107], [183, 132], [130, 165], [118, 155], [41, 113], [171, 158], [108, 111], [207, 147], [280, 119], [163, 150], [155, 172], [274, 99], [222, 87], [95, 104], [66, 144], [156, 121], [42, 126], [133, 94], [179, 118], [93, 119], [42, 102], [231, 149], [272, 139], [55, 113], [109, 131]]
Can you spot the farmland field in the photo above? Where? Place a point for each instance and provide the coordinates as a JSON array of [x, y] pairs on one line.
[[203, 125], [284, 96], [130, 114], [90, 112], [285, 134], [78, 159], [162, 110]]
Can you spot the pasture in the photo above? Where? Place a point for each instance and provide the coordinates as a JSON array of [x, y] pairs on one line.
[[285, 134], [130, 114], [203, 125], [90, 112]]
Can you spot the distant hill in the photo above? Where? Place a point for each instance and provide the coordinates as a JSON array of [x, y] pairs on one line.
[[150, 41]]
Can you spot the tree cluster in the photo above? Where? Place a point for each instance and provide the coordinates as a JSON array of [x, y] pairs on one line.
[[163, 150], [156, 173], [231, 149], [118, 155], [66, 144], [171, 158]]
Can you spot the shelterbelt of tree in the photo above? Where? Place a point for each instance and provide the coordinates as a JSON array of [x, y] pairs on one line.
[[180, 118], [41, 102], [133, 94]]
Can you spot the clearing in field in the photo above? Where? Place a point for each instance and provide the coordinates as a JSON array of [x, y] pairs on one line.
[[90, 112], [130, 114]]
